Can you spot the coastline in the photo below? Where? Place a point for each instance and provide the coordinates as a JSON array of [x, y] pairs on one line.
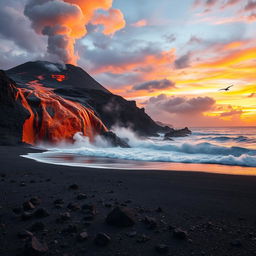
[[216, 210]]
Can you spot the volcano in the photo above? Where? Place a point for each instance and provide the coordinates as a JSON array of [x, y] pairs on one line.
[[48, 102]]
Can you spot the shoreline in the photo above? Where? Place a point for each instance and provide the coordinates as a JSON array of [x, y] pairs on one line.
[[216, 211]]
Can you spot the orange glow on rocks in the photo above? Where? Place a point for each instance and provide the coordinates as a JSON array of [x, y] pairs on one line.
[[55, 119], [59, 78]]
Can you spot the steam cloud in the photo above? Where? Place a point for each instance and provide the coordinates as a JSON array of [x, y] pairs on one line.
[[64, 21]]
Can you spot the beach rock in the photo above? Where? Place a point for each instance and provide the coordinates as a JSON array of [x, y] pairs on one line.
[[74, 187], [114, 140], [28, 206], [102, 239], [64, 217], [74, 207], [121, 217], [35, 201], [34, 247], [162, 248], [150, 222], [177, 133], [58, 201], [41, 213], [180, 234], [142, 239], [132, 233], [82, 236], [81, 196]]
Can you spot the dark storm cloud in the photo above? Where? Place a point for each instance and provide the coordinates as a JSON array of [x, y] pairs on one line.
[[250, 6], [180, 105], [183, 61], [154, 85], [15, 27]]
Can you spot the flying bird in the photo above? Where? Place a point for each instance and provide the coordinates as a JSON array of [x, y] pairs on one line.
[[227, 88]]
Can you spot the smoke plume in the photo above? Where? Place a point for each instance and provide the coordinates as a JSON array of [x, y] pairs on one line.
[[64, 21]]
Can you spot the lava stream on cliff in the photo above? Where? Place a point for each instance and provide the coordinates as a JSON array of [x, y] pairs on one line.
[[54, 119]]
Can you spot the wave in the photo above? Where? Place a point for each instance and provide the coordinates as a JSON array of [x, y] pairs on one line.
[[230, 139], [161, 151]]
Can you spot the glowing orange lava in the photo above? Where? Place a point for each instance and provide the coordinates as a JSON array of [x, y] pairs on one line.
[[59, 78], [54, 119]]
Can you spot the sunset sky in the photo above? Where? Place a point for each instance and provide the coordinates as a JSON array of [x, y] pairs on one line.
[[172, 57]]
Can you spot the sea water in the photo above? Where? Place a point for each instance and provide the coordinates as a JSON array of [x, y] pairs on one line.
[[228, 150]]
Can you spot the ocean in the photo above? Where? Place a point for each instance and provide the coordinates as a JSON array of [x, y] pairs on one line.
[[226, 150]]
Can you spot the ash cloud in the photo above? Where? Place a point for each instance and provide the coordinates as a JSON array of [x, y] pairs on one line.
[[63, 22]]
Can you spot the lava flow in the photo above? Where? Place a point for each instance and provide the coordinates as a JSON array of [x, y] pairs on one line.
[[54, 119], [59, 78]]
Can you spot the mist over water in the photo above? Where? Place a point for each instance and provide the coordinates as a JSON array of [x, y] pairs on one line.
[[215, 146]]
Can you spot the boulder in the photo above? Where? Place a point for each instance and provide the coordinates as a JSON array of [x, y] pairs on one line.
[[121, 217]]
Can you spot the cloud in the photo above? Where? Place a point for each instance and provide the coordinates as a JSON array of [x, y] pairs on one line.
[[15, 27], [183, 61], [140, 23], [154, 85], [169, 38], [250, 6], [231, 113], [112, 21], [252, 95], [180, 105], [63, 22]]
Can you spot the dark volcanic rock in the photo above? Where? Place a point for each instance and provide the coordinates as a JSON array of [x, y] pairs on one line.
[[180, 234], [12, 113], [114, 140], [177, 133], [74, 187], [28, 206], [121, 217], [34, 247], [102, 239]]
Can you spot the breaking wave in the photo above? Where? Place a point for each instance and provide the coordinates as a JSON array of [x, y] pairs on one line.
[[181, 150]]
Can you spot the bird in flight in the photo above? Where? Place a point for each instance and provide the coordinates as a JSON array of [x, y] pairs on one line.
[[227, 88]]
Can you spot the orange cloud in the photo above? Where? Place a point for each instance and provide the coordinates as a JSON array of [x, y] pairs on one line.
[[112, 22], [140, 23]]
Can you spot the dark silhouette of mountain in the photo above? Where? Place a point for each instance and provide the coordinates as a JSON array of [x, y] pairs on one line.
[[26, 101]]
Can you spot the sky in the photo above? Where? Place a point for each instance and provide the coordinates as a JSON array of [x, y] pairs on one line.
[[172, 57]]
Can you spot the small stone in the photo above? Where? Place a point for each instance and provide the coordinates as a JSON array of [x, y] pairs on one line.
[[159, 209], [121, 217], [64, 217], [81, 196], [35, 201], [131, 234], [142, 239], [180, 234], [102, 239], [74, 207], [23, 184], [28, 206], [41, 213], [150, 222], [59, 201], [35, 247], [82, 236], [162, 248], [74, 187]]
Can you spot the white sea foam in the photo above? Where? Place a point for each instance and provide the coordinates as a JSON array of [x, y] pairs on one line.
[[193, 149]]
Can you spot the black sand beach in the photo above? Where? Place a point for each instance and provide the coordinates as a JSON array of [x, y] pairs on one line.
[[216, 212]]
